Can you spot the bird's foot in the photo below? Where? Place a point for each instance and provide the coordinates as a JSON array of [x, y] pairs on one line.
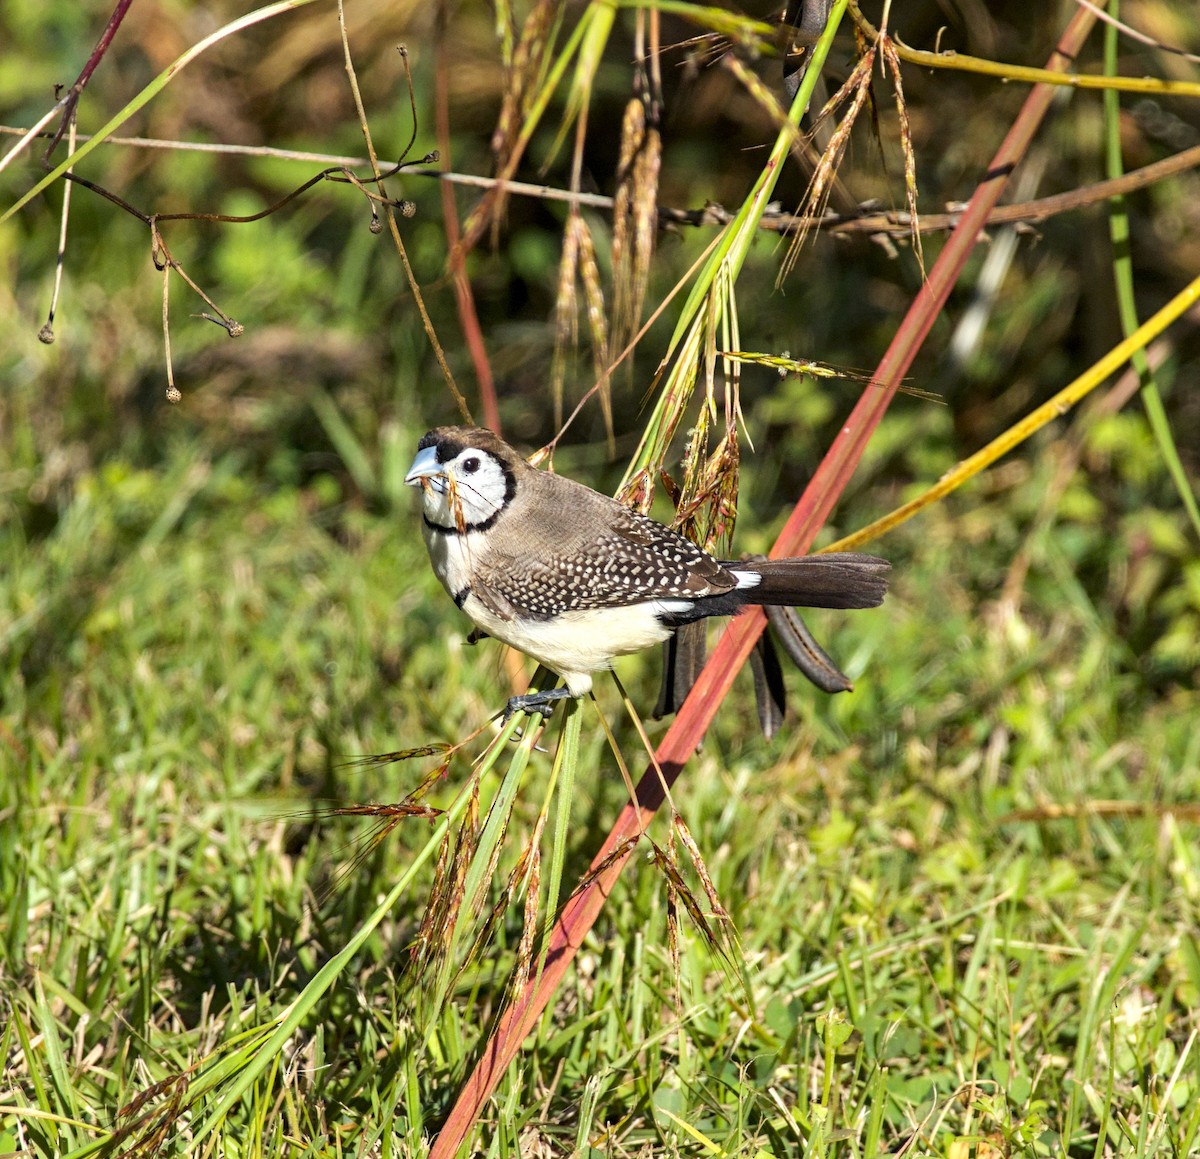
[[542, 702]]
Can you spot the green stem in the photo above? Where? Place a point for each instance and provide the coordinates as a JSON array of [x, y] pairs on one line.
[[1118, 219]]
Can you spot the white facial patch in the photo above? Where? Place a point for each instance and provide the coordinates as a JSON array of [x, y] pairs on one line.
[[467, 492]]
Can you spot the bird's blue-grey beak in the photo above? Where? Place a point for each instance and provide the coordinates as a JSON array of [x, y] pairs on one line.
[[425, 466]]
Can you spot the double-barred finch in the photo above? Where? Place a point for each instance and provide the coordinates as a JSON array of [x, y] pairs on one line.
[[574, 578]]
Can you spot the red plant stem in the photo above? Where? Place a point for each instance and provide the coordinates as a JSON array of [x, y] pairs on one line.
[[831, 476], [81, 81], [735, 646], [468, 315]]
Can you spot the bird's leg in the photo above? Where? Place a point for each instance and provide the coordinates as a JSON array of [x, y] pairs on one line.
[[542, 702]]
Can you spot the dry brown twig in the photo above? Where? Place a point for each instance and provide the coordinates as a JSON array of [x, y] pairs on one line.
[[870, 221], [1134, 34], [165, 262], [394, 229]]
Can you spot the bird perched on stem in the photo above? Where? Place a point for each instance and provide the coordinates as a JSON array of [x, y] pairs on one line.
[[574, 578]]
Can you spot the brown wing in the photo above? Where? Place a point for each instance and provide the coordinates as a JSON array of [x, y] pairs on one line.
[[605, 555]]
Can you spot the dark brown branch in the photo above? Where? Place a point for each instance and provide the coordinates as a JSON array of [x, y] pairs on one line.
[[880, 223], [337, 173], [900, 224], [890, 223], [93, 62]]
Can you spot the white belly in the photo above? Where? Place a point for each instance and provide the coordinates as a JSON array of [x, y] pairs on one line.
[[579, 643]]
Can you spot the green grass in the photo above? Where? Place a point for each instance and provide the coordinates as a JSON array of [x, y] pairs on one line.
[[192, 656], [963, 899]]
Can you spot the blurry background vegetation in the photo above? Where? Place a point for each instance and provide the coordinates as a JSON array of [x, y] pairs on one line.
[[207, 609]]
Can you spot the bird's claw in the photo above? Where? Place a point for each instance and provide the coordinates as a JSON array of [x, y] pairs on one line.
[[531, 702]]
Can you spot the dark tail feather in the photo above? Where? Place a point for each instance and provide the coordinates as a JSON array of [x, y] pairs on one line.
[[844, 579], [800, 645], [837, 580], [684, 654], [770, 694]]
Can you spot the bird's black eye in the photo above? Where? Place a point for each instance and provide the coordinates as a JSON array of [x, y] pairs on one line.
[[470, 466]]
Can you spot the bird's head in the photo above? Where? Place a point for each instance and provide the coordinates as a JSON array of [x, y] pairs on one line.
[[468, 476]]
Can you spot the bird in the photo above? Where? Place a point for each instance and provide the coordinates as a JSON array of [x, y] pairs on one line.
[[573, 578]]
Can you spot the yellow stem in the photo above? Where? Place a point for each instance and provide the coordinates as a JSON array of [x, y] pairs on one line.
[[1059, 405]]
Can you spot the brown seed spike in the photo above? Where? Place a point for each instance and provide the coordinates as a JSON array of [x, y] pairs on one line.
[[891, 60]]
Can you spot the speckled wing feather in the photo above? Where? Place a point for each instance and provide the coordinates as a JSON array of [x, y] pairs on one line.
[[610, 557]]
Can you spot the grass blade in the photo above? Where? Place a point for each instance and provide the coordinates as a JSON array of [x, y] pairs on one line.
[[1123, 282]]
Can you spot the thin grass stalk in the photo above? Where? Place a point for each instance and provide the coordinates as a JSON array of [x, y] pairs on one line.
[[263, 1044], [390, 216], [46, 333], [891, 60], [529, 925], [524, 60], [593, 298], [734, 648], [622, 249], [464, 296], [855, 94], [562, 778], [635, 219], [599, 19], [1123, 281], [480, 871], [1050, 75], [34, 132], [693, 339], [482, 213], [566, 312]]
